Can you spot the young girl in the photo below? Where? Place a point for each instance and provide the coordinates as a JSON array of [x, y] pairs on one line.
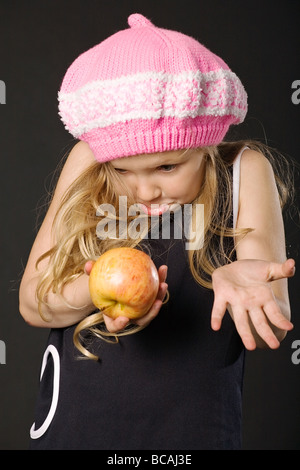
[[151, 108]]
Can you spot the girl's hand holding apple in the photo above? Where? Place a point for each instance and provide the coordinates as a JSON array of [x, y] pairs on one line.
[[125, 284]]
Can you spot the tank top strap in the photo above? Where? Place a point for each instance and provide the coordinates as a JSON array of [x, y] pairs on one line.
[[236, 172]]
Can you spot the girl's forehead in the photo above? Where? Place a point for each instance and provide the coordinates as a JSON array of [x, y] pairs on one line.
[[152, 159]]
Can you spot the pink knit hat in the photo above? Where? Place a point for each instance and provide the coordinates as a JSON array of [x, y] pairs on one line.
[[147, 90]]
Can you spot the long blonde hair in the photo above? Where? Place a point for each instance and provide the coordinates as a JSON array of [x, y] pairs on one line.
[[76, 221]]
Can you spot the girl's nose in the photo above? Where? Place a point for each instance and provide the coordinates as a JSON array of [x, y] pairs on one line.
[[147, 190]]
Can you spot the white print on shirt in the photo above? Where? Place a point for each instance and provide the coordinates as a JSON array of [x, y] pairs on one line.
[[36, 433]]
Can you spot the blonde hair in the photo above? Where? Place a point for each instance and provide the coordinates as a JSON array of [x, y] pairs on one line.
[[76, 221]]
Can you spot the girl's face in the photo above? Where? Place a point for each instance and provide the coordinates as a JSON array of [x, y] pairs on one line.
[[162, 179]]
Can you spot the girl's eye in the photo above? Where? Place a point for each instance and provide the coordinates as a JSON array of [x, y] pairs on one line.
[[120, 170], [167, 168]]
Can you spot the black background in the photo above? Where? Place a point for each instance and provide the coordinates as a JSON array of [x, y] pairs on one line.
[[38, 41]]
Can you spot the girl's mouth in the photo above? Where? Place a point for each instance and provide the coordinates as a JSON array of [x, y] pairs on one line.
[[159, 209], [154, 209]]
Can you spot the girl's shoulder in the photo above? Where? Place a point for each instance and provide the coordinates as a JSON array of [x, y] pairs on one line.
[[256, 175], [254, 158], [78, 160], [256, 171], [252, 165], [250, 156]]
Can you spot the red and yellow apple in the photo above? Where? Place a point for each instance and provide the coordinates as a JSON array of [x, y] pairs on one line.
[[124, 281]]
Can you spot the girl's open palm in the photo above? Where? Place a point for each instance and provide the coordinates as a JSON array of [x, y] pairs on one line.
[[244, 287]]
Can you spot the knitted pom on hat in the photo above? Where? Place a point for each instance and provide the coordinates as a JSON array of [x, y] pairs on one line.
[[145, 90]]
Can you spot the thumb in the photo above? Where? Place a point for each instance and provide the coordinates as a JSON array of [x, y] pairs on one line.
[[88, 267], [281, 270]]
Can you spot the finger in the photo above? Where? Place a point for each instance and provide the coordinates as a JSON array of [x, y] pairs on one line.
[[163, 287], [153, 312], [262, 327], [155, 307], [289, 267], [88, 267], [162, 273], [217, 313], [241, 320], [281, 270], [115, 325], [273, 312]]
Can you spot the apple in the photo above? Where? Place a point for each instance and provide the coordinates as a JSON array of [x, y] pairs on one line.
[[124, 281]]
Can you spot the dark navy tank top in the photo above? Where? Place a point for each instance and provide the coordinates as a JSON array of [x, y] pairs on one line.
[[176, 385]]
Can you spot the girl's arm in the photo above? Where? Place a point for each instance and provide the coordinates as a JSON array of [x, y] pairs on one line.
[[75, 293], [254, 288], [79, 159]]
